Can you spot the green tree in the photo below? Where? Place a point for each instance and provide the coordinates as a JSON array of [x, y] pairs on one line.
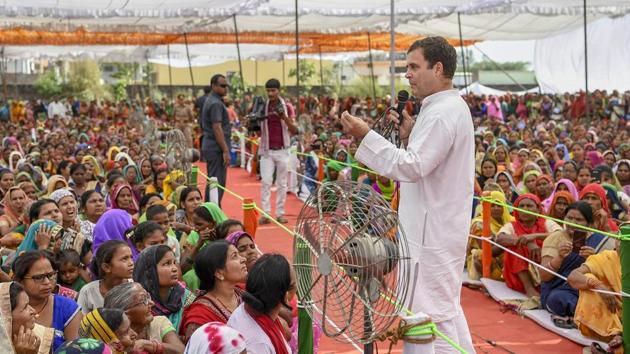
[[125, 74], [47, 85], [236, 85], [307, 73], [84, 80]]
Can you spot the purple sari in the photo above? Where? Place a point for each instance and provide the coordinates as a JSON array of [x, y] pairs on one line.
[[112, 226]]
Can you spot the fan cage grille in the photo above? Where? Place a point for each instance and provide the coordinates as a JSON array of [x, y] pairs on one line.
[[352, 261]]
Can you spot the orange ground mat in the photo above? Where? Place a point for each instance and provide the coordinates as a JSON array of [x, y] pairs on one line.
[[492, 331]]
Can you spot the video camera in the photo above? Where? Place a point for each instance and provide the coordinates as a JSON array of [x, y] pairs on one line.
[[257, 114]]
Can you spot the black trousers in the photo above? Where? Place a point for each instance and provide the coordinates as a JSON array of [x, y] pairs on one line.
[[216, 168]]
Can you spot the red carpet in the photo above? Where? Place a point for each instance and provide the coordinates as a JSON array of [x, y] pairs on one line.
[[492, 331]]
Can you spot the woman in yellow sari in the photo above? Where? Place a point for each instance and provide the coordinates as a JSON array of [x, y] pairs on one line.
[[56, 182], [598, 315], [500, 216], [18, 317], [95, 175]]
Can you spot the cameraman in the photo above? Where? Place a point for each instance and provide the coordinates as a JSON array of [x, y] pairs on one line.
[[274, 148]]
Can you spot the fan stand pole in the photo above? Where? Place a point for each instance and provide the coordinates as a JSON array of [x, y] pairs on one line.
[[368, 348]]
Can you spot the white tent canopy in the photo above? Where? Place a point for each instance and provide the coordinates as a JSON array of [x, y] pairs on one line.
[[200, 54], [479, 89], [481, 19], [559, 60]]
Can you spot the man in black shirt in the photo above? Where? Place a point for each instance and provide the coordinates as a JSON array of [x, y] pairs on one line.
[[201, 100], [215, 125]]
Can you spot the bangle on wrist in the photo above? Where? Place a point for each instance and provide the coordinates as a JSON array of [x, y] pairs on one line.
[[593, 283]]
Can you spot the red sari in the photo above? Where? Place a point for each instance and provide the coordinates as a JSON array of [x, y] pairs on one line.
[[600, 192], [512, 265], [204, 310]]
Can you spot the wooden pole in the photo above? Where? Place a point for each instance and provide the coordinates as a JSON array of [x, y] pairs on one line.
[[170, 73], [461, 49], [192, 78], [392, 61], [586, 63], [238, 52], [297, 56], [371, 66]]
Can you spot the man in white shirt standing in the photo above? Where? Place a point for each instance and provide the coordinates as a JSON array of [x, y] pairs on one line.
[[436, 169]]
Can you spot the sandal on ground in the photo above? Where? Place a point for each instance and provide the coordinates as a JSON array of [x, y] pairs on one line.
[[596, 348], [563, 322]]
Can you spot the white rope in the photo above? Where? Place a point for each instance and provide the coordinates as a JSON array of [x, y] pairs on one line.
[[541, 266], [309, 178]]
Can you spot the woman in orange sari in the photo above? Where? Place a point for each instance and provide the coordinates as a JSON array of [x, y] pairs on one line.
[[558, 207], [15, 201]]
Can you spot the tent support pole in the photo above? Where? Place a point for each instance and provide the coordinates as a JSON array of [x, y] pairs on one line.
[[392, 48], [586, 63], [3, 73], [341, 79], [192, 78], [297, 56], [321, 68], [371, 66], [461, 49], [238, 52], [170, 73], [500, 69], [284, 75]]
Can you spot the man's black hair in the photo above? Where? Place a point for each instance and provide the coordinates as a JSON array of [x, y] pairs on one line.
[[215, 79], [272, 84]]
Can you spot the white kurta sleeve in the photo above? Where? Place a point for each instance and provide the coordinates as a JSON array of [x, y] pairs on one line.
[[426, 150]]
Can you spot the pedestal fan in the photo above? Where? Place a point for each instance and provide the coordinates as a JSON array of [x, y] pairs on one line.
[[352, 261]]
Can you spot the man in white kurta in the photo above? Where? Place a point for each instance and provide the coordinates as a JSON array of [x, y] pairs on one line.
[[436, 174]]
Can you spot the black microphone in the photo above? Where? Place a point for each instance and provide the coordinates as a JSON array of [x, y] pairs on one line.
[[403, 96]]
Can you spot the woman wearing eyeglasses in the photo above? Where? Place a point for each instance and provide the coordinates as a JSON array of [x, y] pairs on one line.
[[34, 270], [155, 334]]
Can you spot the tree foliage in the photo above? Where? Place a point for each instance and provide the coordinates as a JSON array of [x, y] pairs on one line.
[[48, 85], [84, 80], [125, 73], [307, 73]]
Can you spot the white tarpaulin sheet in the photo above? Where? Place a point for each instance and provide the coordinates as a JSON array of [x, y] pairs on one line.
[[479, 89], [559, 60], [481, 19]]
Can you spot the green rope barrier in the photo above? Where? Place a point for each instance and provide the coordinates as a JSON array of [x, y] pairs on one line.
[[412, 332], [321, 157], [216, 184], [493, 201], [430, 329], [505, 205]]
